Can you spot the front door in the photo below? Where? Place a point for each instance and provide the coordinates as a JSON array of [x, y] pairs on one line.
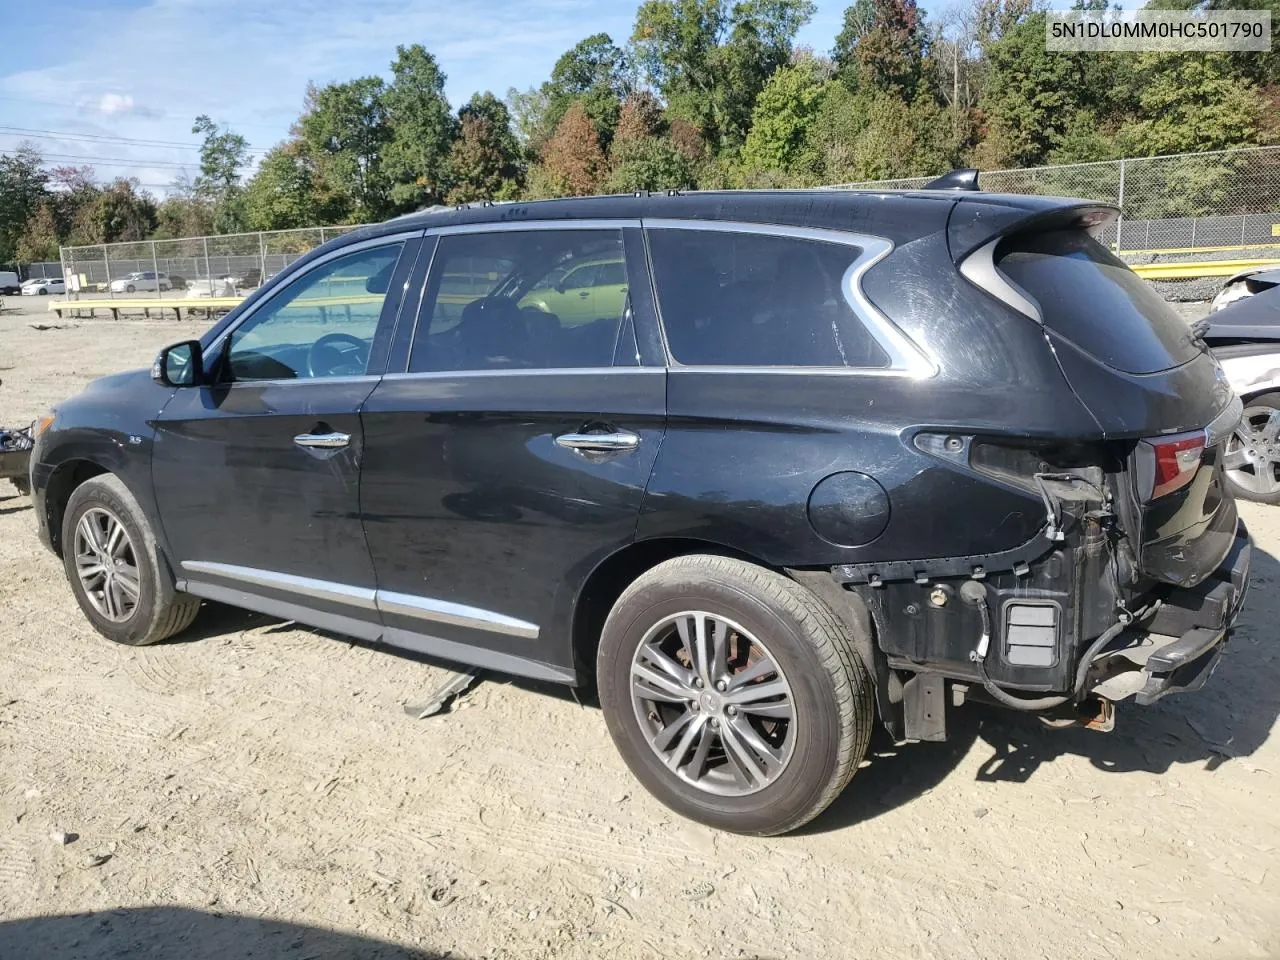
[[257, 475], [511, 456]]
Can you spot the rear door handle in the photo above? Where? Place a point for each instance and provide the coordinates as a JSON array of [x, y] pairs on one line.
[[616, 442], [325, 441]]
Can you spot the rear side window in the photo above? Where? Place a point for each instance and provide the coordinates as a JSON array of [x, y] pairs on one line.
[[748, 299], [522, 299], [1090, 297]]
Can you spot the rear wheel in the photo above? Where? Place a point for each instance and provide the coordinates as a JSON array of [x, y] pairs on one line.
[[113, 566], [733, 694], [1251, 463]]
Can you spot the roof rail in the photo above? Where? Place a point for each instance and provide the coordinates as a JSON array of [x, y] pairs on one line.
[[965, 178]]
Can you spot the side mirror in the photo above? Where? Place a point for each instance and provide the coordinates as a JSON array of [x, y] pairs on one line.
[[179, 365]]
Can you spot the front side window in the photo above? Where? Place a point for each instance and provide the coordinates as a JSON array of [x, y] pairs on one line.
[[522, 299], [748, 299], [320, 325]]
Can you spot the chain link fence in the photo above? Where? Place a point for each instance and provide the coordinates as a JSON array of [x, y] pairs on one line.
[[192, 267], [1192, 206]]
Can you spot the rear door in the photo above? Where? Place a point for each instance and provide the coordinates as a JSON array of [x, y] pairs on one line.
[[509, 454], [257, 475]]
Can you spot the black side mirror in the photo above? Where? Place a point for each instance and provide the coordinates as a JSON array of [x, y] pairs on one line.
[[179, 365]]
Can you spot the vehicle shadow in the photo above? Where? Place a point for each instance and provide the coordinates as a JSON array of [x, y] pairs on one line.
[[14, 503], [164, 931], [1231, 717]]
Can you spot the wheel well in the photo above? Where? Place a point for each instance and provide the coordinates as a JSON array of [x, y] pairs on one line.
[[61, 485], [607, 581]]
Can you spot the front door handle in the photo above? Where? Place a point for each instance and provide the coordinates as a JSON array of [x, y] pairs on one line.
[[325, 441], [615, 442]]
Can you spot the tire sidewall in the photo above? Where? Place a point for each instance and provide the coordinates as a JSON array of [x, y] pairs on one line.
[[816, 727], [110, 495]]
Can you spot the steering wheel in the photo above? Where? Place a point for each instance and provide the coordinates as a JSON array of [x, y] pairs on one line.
[[337, 346]]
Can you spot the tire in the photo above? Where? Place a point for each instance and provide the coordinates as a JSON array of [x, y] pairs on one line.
[[831, 696], [1245, 484], [130, 288], [159, 611], [42, 292]]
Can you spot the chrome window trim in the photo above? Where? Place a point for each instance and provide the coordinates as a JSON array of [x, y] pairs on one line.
[[303, 586], [906, 358], [523, 372], [345, 250], [504, 226], [383, 601], [979, 268]]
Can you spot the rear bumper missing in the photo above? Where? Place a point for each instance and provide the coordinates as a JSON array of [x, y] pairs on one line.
[[1184, 639]]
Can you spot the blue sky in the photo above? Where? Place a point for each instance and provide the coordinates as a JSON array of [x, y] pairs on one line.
[[116, 70]]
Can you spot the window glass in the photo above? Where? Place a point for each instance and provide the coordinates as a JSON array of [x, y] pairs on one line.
[[521, 299], [748, 299], [320, 325], [1093, 299]]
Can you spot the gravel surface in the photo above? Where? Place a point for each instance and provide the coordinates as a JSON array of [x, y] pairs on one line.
[[255, 789]]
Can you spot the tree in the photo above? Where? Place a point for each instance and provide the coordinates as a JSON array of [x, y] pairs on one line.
[[709, 61], [289, 191], [572, 162], [39, 240], [223, 155], [595, 73], [649, 163], [347, 128], [117, 212], [484, 160], [781, 123], [882, 46], [422, 129], [23, 187]]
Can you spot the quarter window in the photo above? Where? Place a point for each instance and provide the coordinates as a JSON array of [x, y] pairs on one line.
[[320, 325], [748, 299], [522, 299]]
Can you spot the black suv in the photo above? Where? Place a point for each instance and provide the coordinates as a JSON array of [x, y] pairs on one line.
[[761, 466]]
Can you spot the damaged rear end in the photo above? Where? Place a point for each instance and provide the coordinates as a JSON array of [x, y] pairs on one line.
[[1140, 566]]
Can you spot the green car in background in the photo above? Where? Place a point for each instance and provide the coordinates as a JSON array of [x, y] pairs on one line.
[[585, 291]]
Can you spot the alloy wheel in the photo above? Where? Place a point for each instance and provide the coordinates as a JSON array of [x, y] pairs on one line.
[[1252, 458], [713, 703], [106, 564]]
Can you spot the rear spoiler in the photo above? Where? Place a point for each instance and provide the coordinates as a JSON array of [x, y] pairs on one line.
[[973, 225]]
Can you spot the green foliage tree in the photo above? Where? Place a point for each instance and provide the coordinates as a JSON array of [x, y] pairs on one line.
[[289, 190], [422, 128], [223, 155], [346, 128], [881, 47], [23, 184], [119, 211], [709, 60], [39, 239], [782, 122]]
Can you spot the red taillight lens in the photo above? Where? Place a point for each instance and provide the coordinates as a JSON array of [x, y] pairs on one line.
[[1177, 460]]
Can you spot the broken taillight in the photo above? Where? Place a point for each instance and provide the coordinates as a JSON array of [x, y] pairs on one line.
[[1177, 459]]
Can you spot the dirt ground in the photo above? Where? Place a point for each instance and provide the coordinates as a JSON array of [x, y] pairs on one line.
[[255, 789]]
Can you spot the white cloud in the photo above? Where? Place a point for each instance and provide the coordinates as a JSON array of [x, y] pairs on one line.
[[115, 103]]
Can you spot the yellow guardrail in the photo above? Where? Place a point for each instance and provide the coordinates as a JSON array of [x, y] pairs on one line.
[[1157, 251], [1202, 268], [203, 304]]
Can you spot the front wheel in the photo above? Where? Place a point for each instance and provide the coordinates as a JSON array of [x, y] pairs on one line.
[[733, 694], [113, 566], [1251, 463]]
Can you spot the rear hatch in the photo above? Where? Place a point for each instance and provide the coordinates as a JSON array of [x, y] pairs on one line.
[[1162, 404]]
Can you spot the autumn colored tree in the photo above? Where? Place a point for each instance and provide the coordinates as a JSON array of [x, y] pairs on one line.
[[483, 162], [572, 160]]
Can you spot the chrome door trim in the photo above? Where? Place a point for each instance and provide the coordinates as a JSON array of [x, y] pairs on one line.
[[384, 601], [906, 359], [457, 614], [361, 597], [536, 372]]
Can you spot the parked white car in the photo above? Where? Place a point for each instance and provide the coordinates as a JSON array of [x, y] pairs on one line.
[[219, 287], [43, 286], [142, 281]]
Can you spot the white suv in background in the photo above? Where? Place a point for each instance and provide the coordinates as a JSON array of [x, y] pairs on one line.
[[145, 281]]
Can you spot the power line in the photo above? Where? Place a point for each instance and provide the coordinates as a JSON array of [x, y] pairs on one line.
[[95, 137], [119, 161]]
